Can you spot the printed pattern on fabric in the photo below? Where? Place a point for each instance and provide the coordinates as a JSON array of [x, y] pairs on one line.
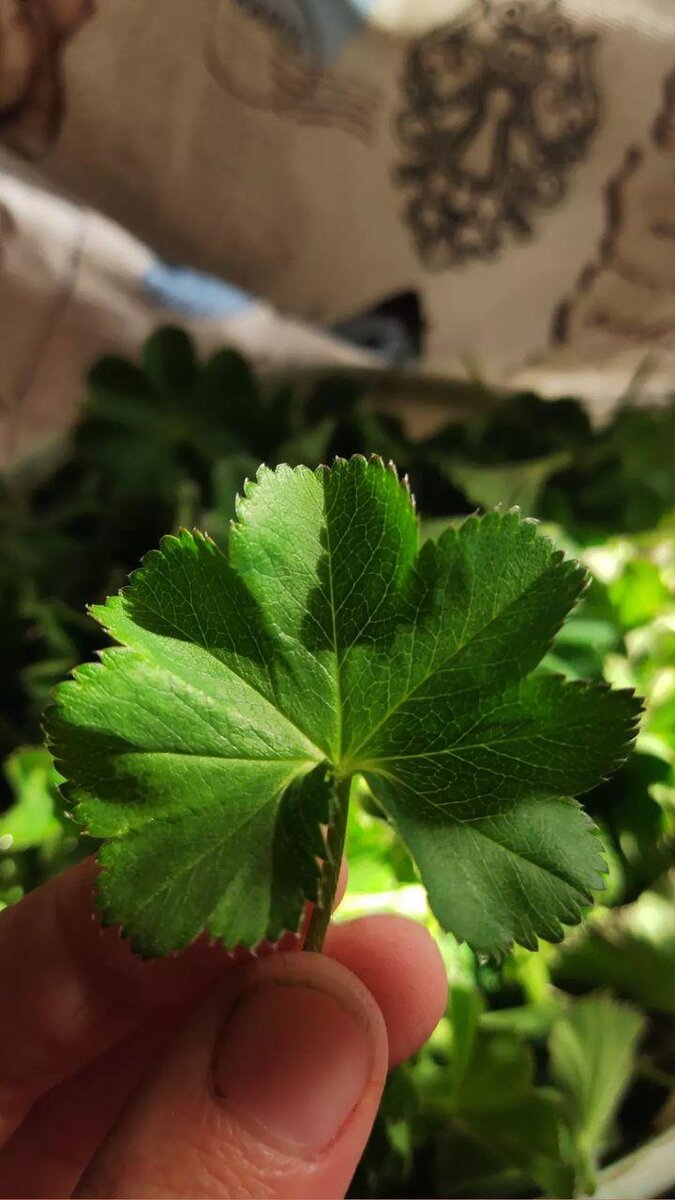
[[627, 294], [496, 112], [481, 186]]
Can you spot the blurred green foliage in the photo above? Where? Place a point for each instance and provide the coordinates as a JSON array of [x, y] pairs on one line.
[[549, 1064]]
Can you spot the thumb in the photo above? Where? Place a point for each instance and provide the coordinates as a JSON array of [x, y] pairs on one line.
[[271, 1090]]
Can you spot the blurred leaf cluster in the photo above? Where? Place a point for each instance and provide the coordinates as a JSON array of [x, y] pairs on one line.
[[548, 1065]]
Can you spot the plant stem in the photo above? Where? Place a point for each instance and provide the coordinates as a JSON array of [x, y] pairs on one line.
[[187, 505], [650, 1070], [335, 840]]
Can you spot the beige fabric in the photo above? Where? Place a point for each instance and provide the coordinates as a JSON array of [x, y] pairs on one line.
[[511, 162], [71, 292]]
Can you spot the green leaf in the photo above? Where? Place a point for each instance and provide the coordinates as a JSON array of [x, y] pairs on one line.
[[640, 593], [226, 481], [499, 1105], [119, 390], [170, 362], [465, 1168], [147, 428], [593, 1049], [33, 819], [388, 1158], [377, 860], [581, 646], [631, 949], [518, 483], [325, 644], [228, 392], [465, 1009], [641, 828], [495, 1060]]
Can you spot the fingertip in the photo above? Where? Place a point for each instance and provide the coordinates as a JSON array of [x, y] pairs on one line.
[[401, 965], [270, 1089], [304, 1043]]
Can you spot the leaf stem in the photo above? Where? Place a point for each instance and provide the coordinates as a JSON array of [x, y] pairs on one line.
[[335, 840]]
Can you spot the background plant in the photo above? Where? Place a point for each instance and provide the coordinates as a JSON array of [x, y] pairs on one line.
[[165, 443]]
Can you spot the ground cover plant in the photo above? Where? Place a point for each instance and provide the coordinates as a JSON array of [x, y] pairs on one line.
[[588, 1074], [324, 645]]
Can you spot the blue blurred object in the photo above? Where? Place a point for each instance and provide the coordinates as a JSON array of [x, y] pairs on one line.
[[193, 293], [318, 28]]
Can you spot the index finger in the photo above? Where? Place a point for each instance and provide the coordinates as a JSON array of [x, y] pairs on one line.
[[74, 989]]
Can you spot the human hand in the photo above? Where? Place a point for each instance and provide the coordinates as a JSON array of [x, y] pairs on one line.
[[201, 1075]]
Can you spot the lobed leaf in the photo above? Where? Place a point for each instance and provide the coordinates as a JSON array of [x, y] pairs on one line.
[[325, 644]]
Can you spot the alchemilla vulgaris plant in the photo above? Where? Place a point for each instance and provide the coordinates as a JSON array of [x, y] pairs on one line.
[[214, 748]]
